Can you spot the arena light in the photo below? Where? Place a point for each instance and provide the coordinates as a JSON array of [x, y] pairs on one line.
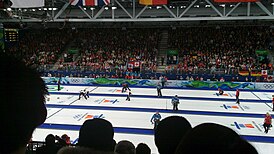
[[9, 9], [207, 6], [50, 8], [54, 9], [158, 7], [113, 7], [45, 9], [40, 9], [85, 8], [272, 3], [106, 8], [197, 6], [33, 10], [222, 5], [92, 8]]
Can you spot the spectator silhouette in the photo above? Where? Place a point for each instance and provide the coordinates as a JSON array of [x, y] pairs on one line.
[[22, 104], [81, 150], [214, 139], [169, 133], [125, 147], [143, 148], [50, 148], [97, 134]]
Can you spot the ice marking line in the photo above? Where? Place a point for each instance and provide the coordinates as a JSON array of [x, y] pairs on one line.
[[256, 95], [82, 117], [114, 101], [73, 101], [261, 100], [241, 107], [93, 89], [210, 113], [101, 115], [256, 126], [61, 109], [237, 126], [54, 113], [101, 101], [224, 106], [75, 141], [163, 97]]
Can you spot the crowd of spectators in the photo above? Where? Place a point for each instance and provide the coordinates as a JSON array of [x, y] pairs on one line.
[[41, 47], [228, 49], [110, 50], [106, 52]]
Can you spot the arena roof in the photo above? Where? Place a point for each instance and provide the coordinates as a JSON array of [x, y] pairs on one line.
[[132, 11]]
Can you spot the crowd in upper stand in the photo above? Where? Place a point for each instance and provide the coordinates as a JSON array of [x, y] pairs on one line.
[[215, 47], [107, 49], [202, 50], [99, 49], [41, 47]]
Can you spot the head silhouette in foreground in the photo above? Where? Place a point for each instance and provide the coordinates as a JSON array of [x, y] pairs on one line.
[[143, 148], [22, 93], [169, 133], [125, 147], [214, 139], [97, 134]]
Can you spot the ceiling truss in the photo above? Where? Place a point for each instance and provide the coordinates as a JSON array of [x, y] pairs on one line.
[[118, 11]]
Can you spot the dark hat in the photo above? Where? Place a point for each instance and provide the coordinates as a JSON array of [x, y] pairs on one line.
[[97, 134]]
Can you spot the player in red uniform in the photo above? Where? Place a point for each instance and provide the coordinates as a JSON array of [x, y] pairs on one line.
[[267, 122], [237, 96], [272, 102]]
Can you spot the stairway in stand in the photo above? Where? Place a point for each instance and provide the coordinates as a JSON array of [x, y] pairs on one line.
[[163, 46]]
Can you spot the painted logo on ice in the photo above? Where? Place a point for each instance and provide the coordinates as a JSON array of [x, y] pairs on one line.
[[86, 116], [230, 107], [242, 126], [112, 101]]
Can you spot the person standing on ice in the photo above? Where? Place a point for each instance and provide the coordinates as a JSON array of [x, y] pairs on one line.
[[125, 87], [128, 96], [267, 122], [155, 119], [159, 92], [237, 96], [59, 83], [83, 94], [175, 102]]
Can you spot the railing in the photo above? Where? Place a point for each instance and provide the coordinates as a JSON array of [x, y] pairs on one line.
[[147, 73], [32, 146]]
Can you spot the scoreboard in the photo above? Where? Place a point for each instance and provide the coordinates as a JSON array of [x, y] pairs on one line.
[[11, 35]]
